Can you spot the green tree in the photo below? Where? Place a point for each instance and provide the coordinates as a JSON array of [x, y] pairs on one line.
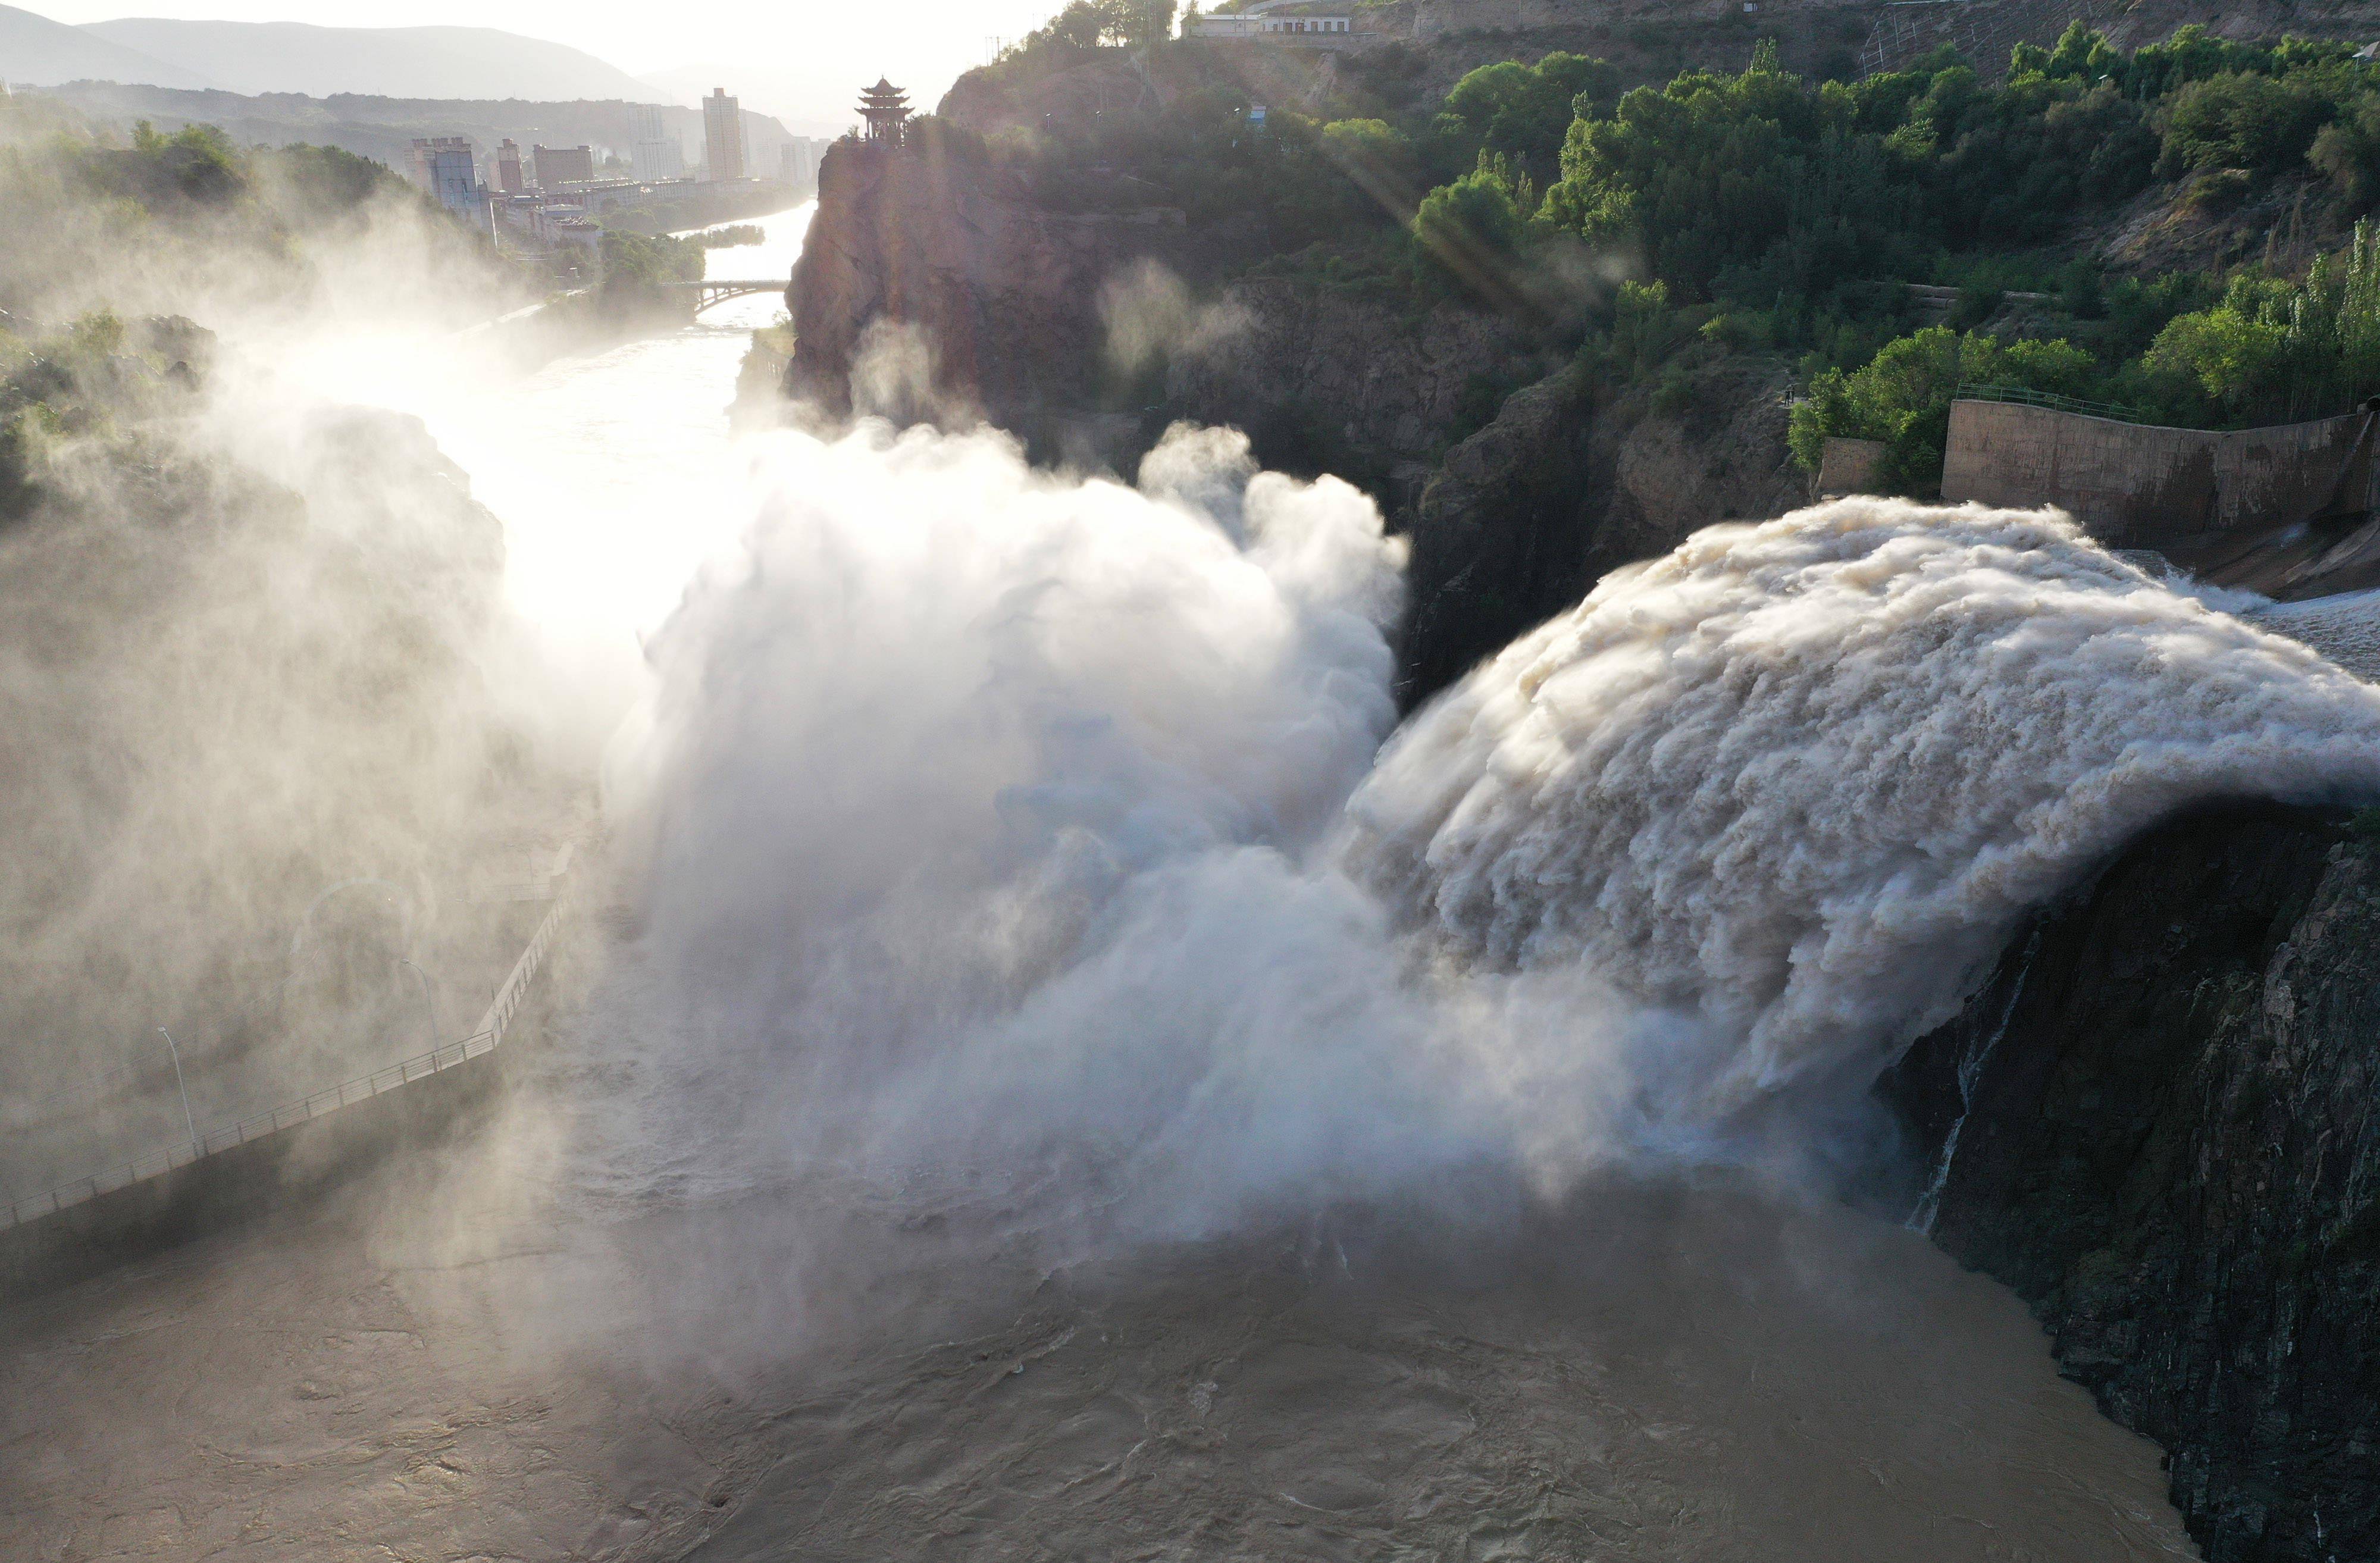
[[1749, 186], [2347, 153], [1523, 111], [2240, 119], [638, 264], [2190, 55], [1903, 396], [2271, 351], [1471, 230], [2082, 53]]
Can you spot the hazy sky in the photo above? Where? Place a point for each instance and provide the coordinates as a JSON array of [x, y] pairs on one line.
[[805, 58]]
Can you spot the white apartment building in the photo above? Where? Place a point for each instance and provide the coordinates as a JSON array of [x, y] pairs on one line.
[[655, 147], [1281, 20], [722, 136]]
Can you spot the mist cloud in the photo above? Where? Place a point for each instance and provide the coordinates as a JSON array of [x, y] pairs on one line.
[[998, 824]]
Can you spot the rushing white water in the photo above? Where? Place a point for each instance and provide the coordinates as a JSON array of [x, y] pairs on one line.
[[996, 887], [1798, 780], [955, 771], [992, 808], [2345, 628]]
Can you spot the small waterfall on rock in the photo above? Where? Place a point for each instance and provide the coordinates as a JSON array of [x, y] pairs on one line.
[[1972, 1063]]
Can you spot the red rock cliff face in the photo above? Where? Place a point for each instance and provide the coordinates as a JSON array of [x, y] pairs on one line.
[[1004, 292], [1112, 320], [1088, 332]]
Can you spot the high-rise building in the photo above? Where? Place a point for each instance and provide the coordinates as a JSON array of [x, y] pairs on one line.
[[559, 166], [722, 134], [656, 148], [509, 178], [798, 162], [443, 165]]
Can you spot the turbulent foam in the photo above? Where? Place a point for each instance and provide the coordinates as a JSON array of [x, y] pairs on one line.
[[1799, 780], [1000, 824], [2345, 628], [976, 803]]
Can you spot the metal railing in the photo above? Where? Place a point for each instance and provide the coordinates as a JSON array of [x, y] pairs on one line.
[[2049, 399], [289, 1115], [1984, 31]]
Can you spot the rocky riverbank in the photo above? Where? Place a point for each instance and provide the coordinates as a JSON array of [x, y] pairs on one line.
[[2154, 1123]]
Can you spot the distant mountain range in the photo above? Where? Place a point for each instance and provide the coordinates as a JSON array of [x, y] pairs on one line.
[[35, 49], [258, 57], [382, 127], [397, 62]]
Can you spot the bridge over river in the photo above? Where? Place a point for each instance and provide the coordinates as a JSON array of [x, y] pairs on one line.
[[716, 291]]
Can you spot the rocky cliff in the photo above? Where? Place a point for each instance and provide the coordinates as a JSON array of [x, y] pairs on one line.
[[934, 286], [1568, 483], [1088, 331], [2155, 1124], [1003, 292]]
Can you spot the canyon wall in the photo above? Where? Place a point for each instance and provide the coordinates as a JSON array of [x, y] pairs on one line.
[[2159, 1123], [1005, 293], [1568, 483], [1089, 332]]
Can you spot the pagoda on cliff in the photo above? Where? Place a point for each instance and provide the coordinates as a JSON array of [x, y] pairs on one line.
[[886, 109]]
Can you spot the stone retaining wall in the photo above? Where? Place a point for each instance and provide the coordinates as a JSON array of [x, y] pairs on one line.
[[2138, 486]]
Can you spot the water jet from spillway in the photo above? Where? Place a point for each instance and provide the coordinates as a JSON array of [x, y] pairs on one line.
[[996, 818]]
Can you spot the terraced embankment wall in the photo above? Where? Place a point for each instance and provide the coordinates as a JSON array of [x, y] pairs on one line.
[[2287, 511], [2141, 486]]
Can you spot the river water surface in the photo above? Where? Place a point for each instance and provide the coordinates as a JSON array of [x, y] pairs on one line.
[[573, 1337]]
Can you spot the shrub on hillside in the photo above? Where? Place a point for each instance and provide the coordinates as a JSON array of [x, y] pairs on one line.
[[2272, 351], [1903, 396], [2347, 151], [2242, 120]]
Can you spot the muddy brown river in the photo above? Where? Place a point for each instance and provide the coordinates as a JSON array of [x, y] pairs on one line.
[[576, 1332]]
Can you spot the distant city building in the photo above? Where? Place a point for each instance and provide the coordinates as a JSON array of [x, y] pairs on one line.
[[509, 178], [541, 225], [559, 166], [886, 108], [443, 165], [1277, 20], [798, 162], [655, 147], [722, 134]]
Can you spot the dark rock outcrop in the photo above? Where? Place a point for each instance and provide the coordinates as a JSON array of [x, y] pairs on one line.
[[2159, 1118], [1324, 381], [1088, 332], [1563, 487], [1003, 293]]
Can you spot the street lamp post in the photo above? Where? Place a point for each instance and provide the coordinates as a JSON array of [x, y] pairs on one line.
[[180, 1085]]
